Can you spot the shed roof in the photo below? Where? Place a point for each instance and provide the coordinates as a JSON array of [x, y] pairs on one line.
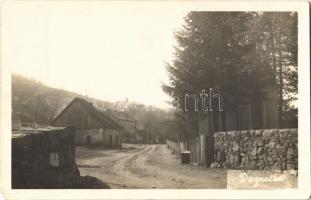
[[24, 131], [96, 114]]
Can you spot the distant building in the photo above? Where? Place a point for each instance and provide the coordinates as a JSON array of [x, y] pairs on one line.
[[43, 157], [128, 124], [93, 127]]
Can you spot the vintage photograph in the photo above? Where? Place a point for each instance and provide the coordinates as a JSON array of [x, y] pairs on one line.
[[123, 97]]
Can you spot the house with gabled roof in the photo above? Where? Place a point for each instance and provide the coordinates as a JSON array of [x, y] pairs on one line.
[[93, 126]]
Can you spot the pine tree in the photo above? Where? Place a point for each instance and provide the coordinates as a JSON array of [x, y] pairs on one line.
[[215, 50]]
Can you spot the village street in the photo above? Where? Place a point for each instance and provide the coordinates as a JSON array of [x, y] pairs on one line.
[[145, 166]]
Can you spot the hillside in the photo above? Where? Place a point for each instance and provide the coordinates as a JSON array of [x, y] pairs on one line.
[[33, 101]]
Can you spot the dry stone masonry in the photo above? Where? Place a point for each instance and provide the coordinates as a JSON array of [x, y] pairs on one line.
[[256, 149]]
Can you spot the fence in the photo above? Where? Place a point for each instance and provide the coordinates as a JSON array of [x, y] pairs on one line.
[[197, 147], [250, 149]]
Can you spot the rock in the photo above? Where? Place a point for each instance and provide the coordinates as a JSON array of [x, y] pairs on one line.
[[259, 142], [271, 144], [290, 151], [231, 134], [260, 150], [251, 132], [257, 149], [235, 146], [291, 166], [253, 151], [266, 133], [258, 132]]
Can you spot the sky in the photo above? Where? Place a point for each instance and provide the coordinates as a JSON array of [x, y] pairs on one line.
[[105, 50]]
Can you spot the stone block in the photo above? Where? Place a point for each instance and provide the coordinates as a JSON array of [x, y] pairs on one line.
[[258, 149]]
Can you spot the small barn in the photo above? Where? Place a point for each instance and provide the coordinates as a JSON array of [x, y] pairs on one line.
[[93, 126]]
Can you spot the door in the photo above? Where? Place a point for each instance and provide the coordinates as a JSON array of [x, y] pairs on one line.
[[117, 139], [88, 140], [110, 140]]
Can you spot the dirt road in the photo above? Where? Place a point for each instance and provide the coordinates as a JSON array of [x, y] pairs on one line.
[[146, 166]]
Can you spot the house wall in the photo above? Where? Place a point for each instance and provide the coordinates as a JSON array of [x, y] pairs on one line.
[[99, 137], [125, 135], [96, 136], [115, 136], [128, 131]]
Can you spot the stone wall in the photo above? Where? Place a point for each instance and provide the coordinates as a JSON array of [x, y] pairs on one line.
[[256, 149], [44, 158]]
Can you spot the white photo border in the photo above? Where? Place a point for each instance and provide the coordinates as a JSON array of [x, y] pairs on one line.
[[303, 191]]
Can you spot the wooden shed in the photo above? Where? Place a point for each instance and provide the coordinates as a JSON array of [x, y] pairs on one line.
[[43, 157], [93, 127]]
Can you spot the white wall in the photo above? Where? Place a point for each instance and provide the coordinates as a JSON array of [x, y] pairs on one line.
[[95, 134], [116, 137]]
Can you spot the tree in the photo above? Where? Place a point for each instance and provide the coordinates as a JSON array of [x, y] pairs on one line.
[[277, 33], [215, 50]]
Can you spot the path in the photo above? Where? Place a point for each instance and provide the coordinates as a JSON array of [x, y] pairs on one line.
[[146, 166]]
